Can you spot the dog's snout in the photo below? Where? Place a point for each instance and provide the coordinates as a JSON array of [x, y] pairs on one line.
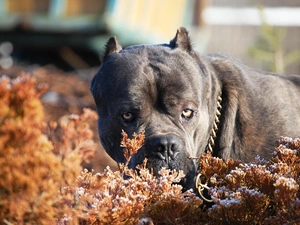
[[165, 147]]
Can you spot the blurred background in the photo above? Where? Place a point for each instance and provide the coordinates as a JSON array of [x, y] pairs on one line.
[[60, 42]]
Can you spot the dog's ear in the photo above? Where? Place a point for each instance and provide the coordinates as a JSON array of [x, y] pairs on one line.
[[182, 40], [111, 47]]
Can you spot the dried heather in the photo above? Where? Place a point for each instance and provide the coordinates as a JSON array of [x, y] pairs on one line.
[[35, 170], [25, 156], [131, 145], [108, 198], [264, 192]]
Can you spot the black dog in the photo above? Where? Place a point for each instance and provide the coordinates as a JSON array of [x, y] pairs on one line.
[[173, 94]]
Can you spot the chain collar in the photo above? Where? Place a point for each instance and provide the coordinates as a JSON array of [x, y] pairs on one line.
[[201, 186], [213, 134]]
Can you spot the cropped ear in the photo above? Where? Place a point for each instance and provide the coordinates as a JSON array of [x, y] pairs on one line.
[[111, 47], [182, 40]]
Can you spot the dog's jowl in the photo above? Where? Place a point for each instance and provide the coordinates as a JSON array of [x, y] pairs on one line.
[[187, 103]]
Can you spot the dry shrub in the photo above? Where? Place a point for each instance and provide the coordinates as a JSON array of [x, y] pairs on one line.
[[34, 169], [264, 192], [111, 199], [42, 182]]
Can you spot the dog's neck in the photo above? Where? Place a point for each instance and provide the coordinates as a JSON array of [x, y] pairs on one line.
[[213, 133]]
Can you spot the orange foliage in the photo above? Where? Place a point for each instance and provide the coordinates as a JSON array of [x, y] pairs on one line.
[[111, 199], [264, 192], [132, 146], [32, 177]]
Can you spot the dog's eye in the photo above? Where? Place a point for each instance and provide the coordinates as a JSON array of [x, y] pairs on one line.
[[127, 116], [187, 113]]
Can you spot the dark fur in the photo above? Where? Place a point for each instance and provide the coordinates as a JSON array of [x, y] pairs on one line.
[[157, 83]]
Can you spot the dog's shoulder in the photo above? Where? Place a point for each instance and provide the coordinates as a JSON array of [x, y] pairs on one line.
[[227, 65], [229, 68]]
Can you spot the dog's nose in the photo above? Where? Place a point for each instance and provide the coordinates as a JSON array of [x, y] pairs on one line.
[[166, 147]]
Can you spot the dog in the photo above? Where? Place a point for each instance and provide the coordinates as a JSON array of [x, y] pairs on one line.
[[189, 103]]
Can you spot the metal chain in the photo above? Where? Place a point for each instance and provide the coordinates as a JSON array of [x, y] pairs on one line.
[[214, 130], [211, 143], [200, 187]]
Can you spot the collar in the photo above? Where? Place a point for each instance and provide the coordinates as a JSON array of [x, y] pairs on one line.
[[201, 186], [213, 133]]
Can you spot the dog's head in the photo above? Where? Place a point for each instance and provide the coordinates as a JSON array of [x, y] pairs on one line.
[[160, 89]]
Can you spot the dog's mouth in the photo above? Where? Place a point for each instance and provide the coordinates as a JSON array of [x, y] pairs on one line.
[[184, 164], [166, 151], [157, 164], [178, 162], [155, 161]]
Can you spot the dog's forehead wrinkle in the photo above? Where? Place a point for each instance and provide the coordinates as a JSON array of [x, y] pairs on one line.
[[161, 123]]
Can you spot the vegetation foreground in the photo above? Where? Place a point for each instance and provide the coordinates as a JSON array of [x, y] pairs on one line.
[[42, 180]]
